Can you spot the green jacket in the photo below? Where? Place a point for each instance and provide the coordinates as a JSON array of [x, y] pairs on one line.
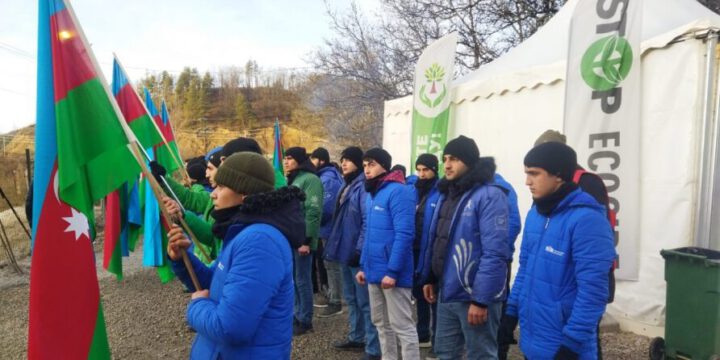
[[201, 225], [311, 185]]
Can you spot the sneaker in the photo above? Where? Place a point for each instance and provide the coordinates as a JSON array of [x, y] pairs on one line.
[[367, 356], [330, 310], [424, 344], [319, 300], [301, 329], [431, 356], [348, 345]]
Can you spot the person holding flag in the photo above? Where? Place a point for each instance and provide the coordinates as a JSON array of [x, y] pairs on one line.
[[247, 310]]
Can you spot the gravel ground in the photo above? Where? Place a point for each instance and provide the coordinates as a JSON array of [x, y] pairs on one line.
[[145, 319]]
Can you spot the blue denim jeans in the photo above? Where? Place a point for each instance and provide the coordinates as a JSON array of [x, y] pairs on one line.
[[455, 334], [302, 274], [358, 304]]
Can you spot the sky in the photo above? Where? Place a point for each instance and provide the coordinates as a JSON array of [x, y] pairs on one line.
[[151, 36]]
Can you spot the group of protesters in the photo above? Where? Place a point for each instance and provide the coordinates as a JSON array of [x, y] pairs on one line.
[[419, 261]]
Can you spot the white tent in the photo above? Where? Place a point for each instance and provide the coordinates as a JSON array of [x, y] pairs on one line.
[[506, 104]]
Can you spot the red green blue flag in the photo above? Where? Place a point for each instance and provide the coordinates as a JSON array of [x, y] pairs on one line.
[[82, 155]]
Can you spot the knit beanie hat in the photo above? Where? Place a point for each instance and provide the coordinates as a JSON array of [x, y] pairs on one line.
[[380, 156], [298, 153], [354, 154], [246, 173], [214, 156], [463, 148], [196, 168], [551, 136], [556, 158], [321, 154], [239, 145], [428, 160]]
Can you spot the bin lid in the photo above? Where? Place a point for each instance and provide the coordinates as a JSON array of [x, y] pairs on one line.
[[711, 257]]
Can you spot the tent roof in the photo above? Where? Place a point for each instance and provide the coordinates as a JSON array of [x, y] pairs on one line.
[[541, 58]]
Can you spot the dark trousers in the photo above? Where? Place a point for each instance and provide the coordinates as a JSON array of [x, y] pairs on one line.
[[319, 274]]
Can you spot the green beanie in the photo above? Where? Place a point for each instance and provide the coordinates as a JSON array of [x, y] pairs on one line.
[[246, 173]]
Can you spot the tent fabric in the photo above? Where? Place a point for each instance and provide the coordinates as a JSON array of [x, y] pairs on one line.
[[505, 108]]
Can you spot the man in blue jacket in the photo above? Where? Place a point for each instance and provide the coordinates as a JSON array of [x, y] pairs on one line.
[[386, 257], [426, 168], [561, 288], [465, 256], [344, 247], [332, 181], [246, 310]]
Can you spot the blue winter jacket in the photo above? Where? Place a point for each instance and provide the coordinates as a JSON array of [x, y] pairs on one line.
[[347, 235], [514, 223], [476, 264], [332, 181], [561, 287], [390, 224], [249, 312]]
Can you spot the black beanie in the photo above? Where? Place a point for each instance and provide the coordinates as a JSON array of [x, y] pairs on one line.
[[400, 167], [298, 153], [239, 145], [321, 154], [380, 156], [556, 158], [214, 156], [428, 160], [196, 168], [246, 173], [354, 154], [463, 148]]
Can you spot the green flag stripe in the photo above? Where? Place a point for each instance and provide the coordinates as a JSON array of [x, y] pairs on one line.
[[93, 158], [144, 128], [99, 348]]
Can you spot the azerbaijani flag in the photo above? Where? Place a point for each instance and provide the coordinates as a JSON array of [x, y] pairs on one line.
[[82, 155], [164, 153], [278, 155]]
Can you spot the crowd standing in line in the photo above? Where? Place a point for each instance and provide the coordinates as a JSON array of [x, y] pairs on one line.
[[436, 246]]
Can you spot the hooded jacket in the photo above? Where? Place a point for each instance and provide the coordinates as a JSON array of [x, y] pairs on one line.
[[475, 266], [305, 179], [348, 234], [390, 232], [514, 223], [200, 203], [561, 287], [332, 181], [249, 312]]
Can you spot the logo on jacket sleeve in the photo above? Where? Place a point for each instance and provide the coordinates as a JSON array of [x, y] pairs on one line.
[[378, 208], [221, 266], [463, 264]]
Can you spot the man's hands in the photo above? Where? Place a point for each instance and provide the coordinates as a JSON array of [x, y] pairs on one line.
[[177, 242], [360, 277], [173, 208], [200, 294], [304, 250], [477, 315], [429, 293], [387, 283]]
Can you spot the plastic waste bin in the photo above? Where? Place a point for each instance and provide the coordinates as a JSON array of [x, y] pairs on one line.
[[692, 316]]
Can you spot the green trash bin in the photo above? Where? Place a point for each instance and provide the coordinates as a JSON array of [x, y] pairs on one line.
[[692, 315]]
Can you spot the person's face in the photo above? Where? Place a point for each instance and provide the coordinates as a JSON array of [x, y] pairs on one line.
[[454, 167], [317, 162], [423, 172], [290, 164], [223, 197], [540, 182], [347, 166], [210, 171], [372, 169]]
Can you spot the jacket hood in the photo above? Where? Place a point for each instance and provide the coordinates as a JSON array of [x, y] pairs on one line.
[[280, 208], [578, 198], [482, 172], [330, 171]]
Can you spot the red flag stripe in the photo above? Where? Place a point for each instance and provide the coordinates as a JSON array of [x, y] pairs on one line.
[[129, 103], [71, 63]]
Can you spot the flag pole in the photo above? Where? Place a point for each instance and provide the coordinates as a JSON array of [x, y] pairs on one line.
[[131, 137], [185, 175]]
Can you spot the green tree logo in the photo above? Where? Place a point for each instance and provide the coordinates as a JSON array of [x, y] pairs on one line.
[[434, 74], [606, 62]]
